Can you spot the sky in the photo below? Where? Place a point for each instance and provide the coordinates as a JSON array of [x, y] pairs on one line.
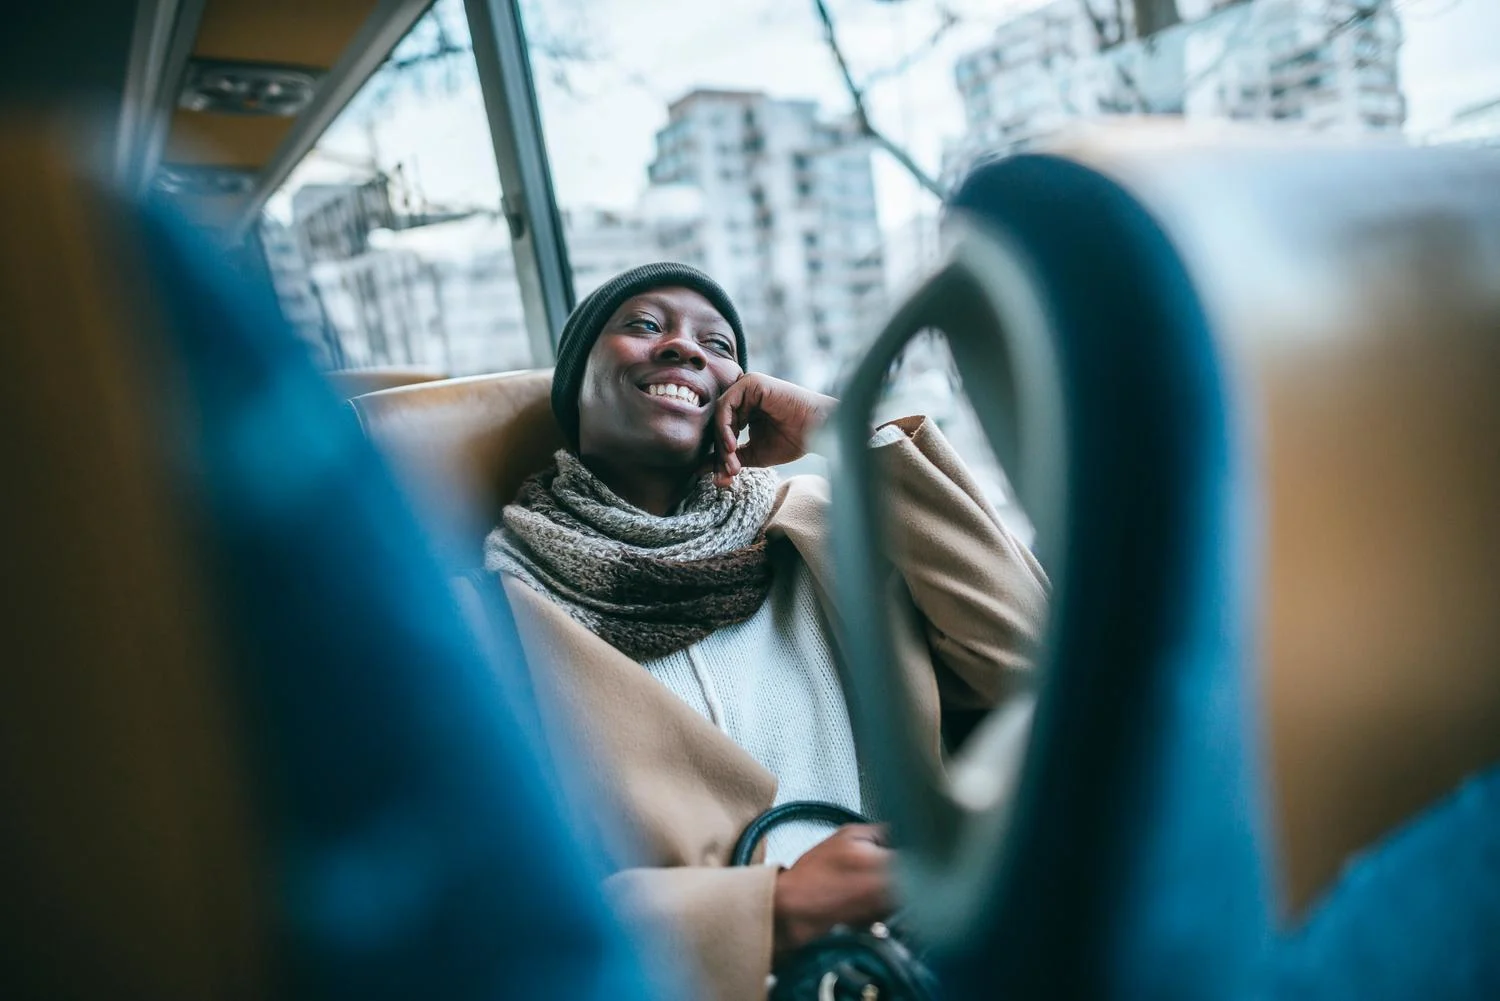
[[601, 113]]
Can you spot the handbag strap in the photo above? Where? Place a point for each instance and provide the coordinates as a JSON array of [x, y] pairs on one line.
[[801, 809]]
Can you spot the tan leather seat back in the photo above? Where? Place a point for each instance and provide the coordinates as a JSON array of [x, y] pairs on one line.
[[354, 382], [130, 858], [1363, 329], [463, 447]]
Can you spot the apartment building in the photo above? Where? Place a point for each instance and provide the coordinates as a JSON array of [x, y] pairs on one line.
[[1318, 65]]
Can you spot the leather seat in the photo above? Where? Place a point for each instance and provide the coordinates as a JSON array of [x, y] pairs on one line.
[[352, 382], [463, 447]]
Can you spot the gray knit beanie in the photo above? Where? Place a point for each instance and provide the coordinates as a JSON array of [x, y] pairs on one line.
[[589, 316]]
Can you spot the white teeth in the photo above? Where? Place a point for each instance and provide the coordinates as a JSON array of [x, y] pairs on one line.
[[675, 392]]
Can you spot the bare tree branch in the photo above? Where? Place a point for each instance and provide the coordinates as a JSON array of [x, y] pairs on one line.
[[443, 47], [1107, 40], [1132, 87], [1152, 16], [948, 21], [1104, 38], [1360, 16], [861, 114], [1218, 61]]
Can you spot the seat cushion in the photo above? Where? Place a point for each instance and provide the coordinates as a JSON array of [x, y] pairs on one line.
[[358, 381], [463, 447]]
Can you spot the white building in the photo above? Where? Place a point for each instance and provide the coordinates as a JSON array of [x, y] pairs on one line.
[[384, 307], [1040, 71], [786, 222], [1320, 65], [294, 290], [601, 244], [444, 295], [1474, 125]]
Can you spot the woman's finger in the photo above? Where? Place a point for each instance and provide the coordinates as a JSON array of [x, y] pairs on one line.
[[724, 421], [877, 834]]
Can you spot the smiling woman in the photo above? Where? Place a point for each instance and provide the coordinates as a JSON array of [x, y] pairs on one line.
[[675, 591], [662, 341]]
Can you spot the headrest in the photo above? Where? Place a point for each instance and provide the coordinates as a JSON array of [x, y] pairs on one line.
[[463, 447], [353, 382]]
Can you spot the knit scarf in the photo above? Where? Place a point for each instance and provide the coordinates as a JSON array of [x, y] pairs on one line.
[[647, 584]]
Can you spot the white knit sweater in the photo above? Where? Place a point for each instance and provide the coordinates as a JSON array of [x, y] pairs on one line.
[[770, 684]]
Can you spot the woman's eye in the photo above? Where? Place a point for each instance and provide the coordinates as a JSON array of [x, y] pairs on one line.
[[723, 347], [645, 323]]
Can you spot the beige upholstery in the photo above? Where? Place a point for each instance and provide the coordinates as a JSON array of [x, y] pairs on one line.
[[354, 382], [1364, 332], [128, 844], [463, 446]]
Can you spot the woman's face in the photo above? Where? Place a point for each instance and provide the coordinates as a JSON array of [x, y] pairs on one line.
[[652, 378]]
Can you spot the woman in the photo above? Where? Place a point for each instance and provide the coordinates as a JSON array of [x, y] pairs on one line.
[[677, 594]]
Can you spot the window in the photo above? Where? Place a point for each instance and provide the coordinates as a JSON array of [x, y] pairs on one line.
[[636, 94], [391, 223], [754, 81]]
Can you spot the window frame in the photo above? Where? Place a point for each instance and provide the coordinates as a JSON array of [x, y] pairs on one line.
[[508, 90]]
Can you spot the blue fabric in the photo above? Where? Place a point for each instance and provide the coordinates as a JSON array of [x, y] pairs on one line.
[[1135, 864], [417, 851], [1417, 916]]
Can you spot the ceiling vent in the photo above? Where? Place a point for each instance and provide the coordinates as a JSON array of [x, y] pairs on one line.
[[236, 88], [201, 181]]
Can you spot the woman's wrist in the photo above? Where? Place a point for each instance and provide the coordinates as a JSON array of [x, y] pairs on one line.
[[789, 929]]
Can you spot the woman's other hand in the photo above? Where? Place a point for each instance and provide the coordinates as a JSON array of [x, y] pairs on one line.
[[781, 417], [843, 880]]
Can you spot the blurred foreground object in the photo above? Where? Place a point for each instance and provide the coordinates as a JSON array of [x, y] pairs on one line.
[[247, 747], [1247, 392]]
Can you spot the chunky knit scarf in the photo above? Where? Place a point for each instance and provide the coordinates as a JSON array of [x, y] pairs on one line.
[[647, 584]]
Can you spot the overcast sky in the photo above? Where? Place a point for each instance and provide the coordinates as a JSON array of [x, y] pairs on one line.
[[601, 114]]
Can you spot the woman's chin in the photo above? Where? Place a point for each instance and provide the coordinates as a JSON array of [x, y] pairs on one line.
[[678, 446]]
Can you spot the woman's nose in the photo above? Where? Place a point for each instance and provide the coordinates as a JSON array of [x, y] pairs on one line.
[[681, 348]]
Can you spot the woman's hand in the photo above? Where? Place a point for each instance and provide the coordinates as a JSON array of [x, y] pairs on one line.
[[781, 417], [843, 880]]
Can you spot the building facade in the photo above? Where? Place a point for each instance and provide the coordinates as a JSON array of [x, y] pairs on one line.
[[1039, 72], [1473, 125], [1320, 65], [1316, 65], [295, 291]]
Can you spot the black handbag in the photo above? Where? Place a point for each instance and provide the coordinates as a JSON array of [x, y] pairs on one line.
[[875, 963]]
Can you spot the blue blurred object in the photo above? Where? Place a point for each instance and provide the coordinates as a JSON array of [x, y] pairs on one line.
[[418, 849], [1135, 868], [1417, 916]]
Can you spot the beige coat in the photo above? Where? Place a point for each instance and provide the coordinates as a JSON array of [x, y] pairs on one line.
[[686, 790]]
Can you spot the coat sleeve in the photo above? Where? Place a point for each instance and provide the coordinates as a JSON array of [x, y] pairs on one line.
[[720, 918], [981, 593]]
